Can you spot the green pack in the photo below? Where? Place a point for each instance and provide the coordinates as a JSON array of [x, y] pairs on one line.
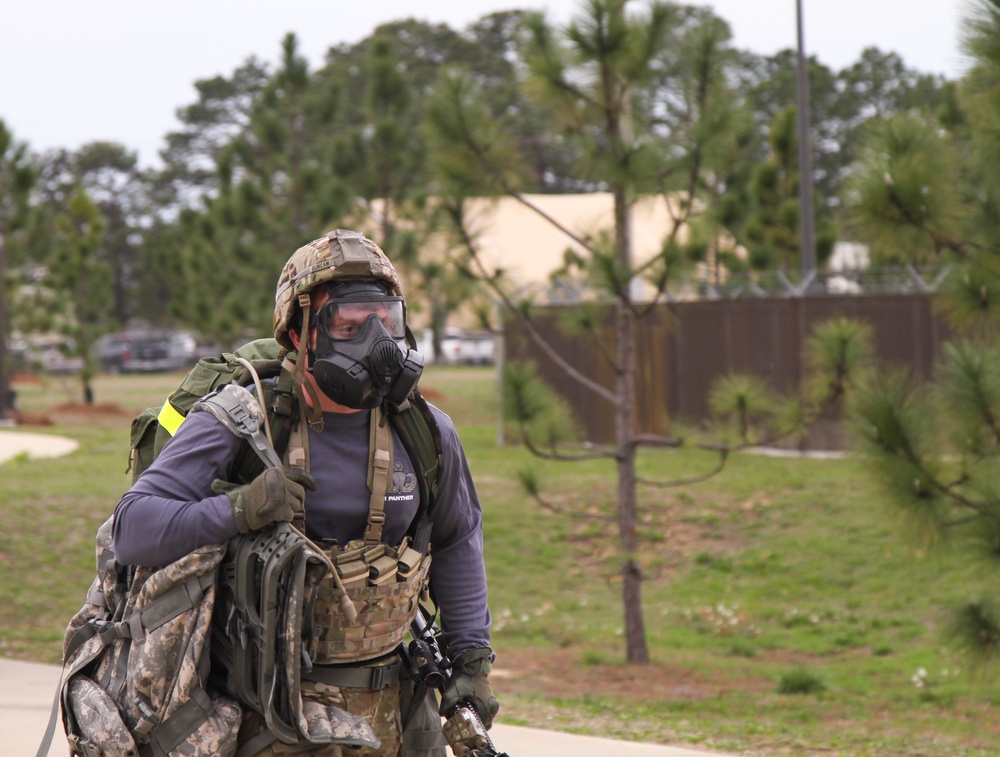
[[154, 427]]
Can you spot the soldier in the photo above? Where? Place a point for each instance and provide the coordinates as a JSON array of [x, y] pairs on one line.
[[340, 310]]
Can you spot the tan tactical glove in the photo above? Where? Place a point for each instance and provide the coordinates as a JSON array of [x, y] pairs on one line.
[[275, 495], [470, 684]]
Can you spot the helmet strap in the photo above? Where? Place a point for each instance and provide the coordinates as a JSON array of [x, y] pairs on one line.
[[312, 409], [411, 341]]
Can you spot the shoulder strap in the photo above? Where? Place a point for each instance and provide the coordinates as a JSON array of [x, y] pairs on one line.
[[288, 425], [417, 429], [379, 472], [50, 728], [279, 402]]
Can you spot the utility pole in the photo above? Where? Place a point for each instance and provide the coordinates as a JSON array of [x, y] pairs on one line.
[[807, 226], [5, 394]]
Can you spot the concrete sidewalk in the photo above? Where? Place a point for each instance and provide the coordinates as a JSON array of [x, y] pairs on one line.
[[27, 690], [14, 443]]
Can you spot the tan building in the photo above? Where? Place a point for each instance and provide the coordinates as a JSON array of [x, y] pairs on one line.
[[527, 247]]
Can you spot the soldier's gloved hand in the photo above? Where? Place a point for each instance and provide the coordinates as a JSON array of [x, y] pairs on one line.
[[275, 495], [470, 683]]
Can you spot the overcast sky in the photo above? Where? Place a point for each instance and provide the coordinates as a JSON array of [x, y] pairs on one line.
[[73, 72]]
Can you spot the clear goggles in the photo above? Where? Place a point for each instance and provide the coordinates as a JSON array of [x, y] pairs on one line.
[[344, 317]]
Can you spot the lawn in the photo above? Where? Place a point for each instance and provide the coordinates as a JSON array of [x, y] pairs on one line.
[[785, 613]]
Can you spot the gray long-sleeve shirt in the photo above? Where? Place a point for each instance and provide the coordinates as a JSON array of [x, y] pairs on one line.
[[172, 510]]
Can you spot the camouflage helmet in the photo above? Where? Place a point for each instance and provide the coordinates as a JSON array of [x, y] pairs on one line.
[[340, 254]]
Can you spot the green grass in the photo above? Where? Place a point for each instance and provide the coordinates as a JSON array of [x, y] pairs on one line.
[[778, 574]]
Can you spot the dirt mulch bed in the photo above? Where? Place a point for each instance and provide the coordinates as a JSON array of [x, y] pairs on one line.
[[98, 408], [31, 419], [559, 672], [74, 413]]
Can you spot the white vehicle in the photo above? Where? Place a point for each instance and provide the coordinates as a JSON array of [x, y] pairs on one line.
[[47, 353], [451, 347], [458, 347], [478, 348]]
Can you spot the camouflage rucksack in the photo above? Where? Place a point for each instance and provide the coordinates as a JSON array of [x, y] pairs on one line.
[[136, 662]]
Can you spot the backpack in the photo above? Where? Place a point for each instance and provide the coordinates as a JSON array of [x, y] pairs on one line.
[[136, 662], [154, 427]]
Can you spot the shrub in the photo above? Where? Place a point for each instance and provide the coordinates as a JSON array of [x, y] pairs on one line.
[[800, 681]]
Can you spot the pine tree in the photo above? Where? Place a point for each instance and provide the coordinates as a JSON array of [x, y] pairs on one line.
[[927, 192], [17, 177], [79, 276]]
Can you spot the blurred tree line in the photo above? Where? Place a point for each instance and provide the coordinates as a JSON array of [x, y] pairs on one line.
[[270, 156]]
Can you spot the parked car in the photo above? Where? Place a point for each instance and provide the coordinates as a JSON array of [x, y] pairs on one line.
[[49, 353], [146, 351], [112, 349], [17, 356], [451, 347], [459, 347], [478, 348]]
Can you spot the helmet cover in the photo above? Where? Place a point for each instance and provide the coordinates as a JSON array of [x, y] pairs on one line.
[[340, 254]]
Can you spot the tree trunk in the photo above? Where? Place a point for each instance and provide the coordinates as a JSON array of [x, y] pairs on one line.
[[637, 651], [439, 321]]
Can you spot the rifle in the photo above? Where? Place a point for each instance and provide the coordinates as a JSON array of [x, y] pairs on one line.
[[429, 666]]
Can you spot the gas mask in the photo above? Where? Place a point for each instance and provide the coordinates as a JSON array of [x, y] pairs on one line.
[[361, 356]]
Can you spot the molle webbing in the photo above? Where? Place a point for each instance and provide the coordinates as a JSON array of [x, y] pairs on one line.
[[385, 610]]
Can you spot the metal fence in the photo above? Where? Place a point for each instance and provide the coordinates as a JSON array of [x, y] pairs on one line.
[[907, 279], [683, 347]]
